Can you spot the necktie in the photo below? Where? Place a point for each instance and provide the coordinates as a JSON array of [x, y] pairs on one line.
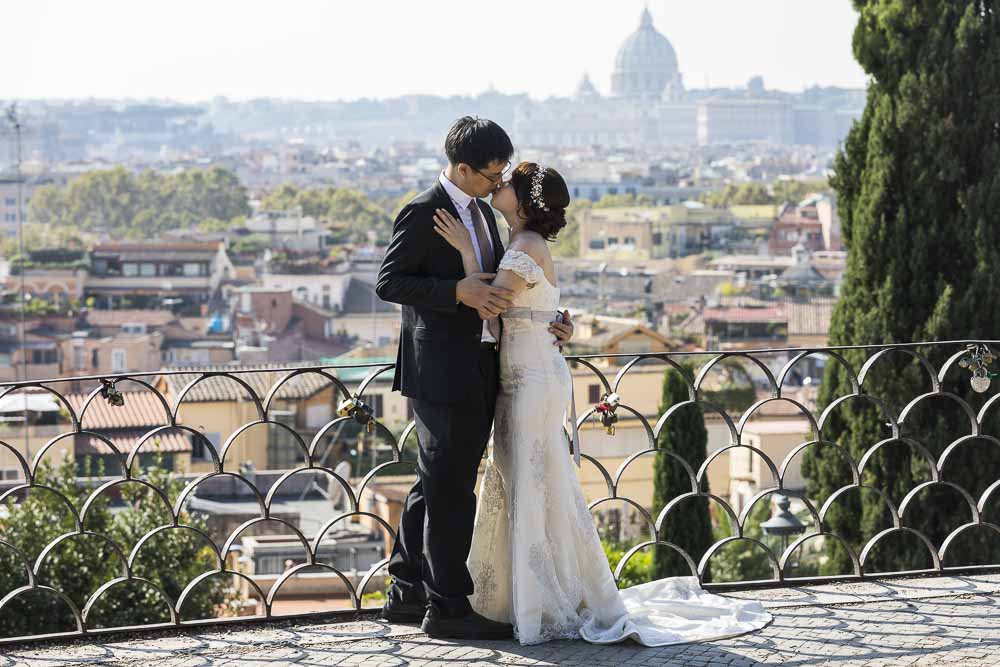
[[488, 261]]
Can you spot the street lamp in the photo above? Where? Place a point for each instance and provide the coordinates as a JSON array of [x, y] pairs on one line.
[[783, 523]]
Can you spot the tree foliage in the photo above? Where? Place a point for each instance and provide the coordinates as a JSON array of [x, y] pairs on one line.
[[567, 243], [342, 208], [619, 201], [743, 560], [689, 526], [918, 182], [80, 565], [139, 205], [757, 193]]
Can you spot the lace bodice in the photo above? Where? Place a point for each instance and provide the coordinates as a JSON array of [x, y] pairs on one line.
[[541, 294]]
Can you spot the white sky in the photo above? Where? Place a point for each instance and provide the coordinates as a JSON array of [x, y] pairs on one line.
[[345, 49]]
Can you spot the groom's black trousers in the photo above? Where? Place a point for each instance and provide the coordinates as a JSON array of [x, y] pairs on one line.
[[435, 530]]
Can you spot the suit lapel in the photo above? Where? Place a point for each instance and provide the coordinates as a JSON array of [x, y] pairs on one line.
[[443, 200]]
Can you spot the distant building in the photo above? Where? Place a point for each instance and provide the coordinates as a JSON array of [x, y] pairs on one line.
[[730, 121], [647, 106], [813, 223], [289, 230], [650, 107], [9, 205], [604, 335], [184, 277], [653, 232]]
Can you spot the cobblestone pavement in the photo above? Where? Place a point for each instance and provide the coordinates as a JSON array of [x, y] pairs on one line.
[[949, 620]]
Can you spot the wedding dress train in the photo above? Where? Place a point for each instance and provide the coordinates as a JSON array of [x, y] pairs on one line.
[[536, 558]]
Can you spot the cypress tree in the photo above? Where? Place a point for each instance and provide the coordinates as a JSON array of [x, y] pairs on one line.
[[918, 182], [689, 525]]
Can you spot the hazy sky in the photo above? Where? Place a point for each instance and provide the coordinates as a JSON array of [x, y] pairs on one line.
[[346, 49]]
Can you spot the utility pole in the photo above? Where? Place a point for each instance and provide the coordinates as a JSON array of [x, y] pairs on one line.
[[15, 122]]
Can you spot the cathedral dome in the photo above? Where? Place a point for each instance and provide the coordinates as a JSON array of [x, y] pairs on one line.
[[646, 63]]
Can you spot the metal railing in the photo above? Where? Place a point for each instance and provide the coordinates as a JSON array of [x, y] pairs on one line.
[[946, 369]]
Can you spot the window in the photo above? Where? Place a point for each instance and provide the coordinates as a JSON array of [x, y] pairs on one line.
[[119, 361], [43, 357], [79, 356], [147, 269], [200, 446], [193, 269], [130, 269], [4, 359], [594, 393], [657, 238], [94, 359], [134, 329], [612, 240], [597, 244], [10, 201], [630, 240]]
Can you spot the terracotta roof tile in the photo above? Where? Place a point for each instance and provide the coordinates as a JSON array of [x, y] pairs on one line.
[[142, 409], [220, 388], [170, 441]]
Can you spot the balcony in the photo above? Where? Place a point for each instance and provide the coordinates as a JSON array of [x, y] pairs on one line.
[[139, 545], [151, 284], [948, 620]]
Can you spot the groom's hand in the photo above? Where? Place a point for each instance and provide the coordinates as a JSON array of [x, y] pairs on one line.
[[562, 330], [475, 291]]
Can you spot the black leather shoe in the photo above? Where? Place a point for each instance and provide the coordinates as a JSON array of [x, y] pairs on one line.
[[470, 626], [396, 610]]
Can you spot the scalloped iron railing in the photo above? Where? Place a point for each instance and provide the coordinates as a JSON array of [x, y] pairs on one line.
[[944, 372]]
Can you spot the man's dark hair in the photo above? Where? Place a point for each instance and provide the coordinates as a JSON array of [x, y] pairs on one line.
[[477, 142]]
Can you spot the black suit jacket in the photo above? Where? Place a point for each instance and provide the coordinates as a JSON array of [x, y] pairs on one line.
[[439, 340]]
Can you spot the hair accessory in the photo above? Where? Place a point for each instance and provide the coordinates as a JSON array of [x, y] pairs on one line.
[[536, 188]]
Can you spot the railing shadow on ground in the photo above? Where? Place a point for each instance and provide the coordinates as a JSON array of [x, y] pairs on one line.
[[263, 399], [884, 632]]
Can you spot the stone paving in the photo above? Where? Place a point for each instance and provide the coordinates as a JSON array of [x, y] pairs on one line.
[[948, 620]]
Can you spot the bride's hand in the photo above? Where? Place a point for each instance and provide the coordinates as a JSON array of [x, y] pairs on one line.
[[454, 232]]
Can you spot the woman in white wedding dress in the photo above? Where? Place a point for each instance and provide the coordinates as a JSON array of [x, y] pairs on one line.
[[536, 558]]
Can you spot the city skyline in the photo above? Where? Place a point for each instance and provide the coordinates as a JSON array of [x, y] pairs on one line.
[[75, 52]]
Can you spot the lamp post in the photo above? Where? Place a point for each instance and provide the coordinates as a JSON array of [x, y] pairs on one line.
[[14, 118], [783, 523]]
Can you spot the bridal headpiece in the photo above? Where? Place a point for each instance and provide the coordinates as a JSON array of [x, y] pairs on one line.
[[536, 188]]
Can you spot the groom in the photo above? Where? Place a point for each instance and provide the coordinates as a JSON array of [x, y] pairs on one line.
[[447, 365]]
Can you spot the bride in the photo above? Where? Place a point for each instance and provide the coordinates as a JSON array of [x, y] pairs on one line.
[[536, 558]]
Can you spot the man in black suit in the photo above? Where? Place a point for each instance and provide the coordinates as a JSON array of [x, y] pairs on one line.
[[447, 365]]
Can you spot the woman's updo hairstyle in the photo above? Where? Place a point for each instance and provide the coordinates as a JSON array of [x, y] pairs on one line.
[[544, 214]]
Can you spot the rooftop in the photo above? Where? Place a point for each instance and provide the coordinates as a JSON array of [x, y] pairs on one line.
[[897, 622]]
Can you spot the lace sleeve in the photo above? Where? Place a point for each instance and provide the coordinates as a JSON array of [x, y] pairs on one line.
[[522, 264]]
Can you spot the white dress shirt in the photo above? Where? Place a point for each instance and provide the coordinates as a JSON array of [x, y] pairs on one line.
[[461, 201]]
